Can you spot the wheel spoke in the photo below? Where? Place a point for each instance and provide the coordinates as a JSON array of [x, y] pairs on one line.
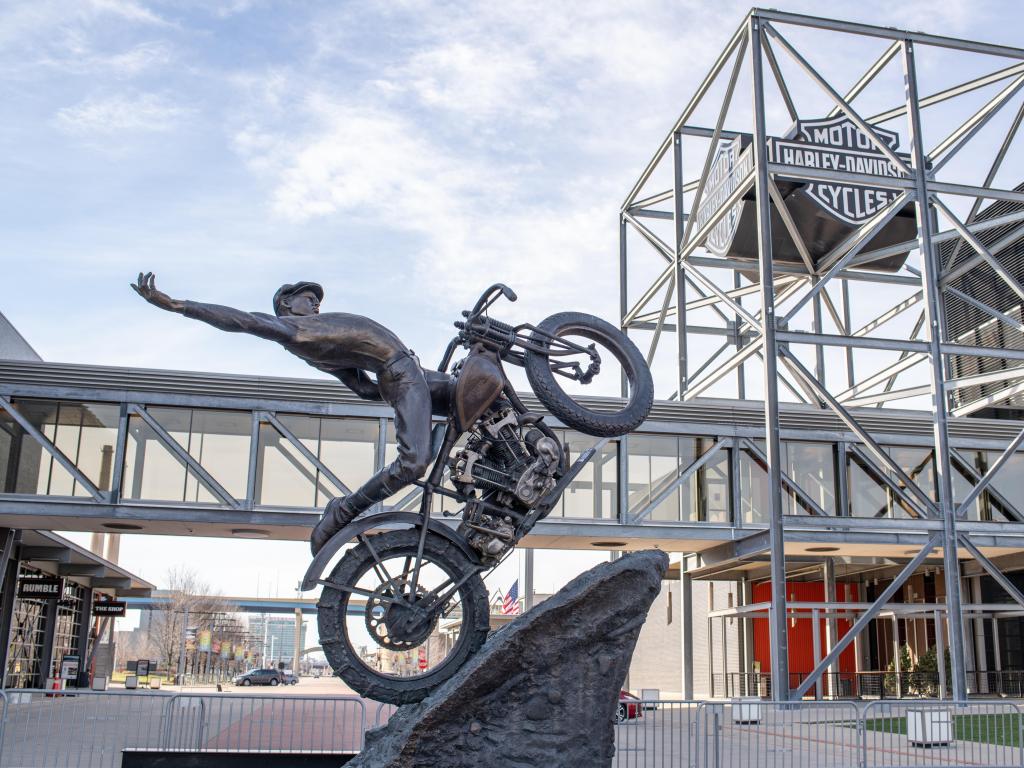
[[381, 571], [357, 591]]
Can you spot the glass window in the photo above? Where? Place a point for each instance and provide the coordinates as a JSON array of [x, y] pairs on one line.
[[151, 469], [870, 497], [812, 467], [1008, 482], [593, 492], [28, 630], [655, 464], [85, 433], [713, 484], [217, 440], [348, 447], [753, 501], [919, 464], [284, 477]]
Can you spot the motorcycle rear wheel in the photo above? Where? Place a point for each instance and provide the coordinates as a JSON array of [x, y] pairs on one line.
[[341, 634], [565, 408]]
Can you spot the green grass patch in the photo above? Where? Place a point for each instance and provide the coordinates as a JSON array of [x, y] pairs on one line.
[[1002, 730]]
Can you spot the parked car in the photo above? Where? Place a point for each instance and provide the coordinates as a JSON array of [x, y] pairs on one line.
[[289, 678], [260, 677], [629, 707]]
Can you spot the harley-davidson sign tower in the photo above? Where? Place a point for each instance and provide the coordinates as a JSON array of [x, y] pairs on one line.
[[818, 251]]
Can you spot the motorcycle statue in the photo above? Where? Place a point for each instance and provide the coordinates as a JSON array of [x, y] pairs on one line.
[[406, 606]]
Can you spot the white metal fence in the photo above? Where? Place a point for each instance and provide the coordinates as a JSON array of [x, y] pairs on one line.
[[89, 729]]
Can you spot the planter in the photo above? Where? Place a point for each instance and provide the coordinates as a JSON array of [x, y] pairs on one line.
[[746, 711], [929, 727]]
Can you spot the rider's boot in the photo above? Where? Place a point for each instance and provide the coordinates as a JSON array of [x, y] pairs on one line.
[[336, 516], [342, 511]]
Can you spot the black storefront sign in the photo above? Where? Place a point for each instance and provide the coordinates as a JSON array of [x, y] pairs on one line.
[[109, 608], [41, 589]]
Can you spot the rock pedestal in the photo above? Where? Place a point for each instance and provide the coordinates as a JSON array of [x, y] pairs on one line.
[[542, 691]]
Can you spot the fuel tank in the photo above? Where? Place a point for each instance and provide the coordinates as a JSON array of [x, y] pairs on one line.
[[478, 383]]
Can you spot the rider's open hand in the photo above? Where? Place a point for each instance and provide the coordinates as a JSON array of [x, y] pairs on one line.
[[146, 288]]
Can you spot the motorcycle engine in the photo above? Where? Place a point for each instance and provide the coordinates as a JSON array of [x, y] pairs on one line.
[[513, 471]]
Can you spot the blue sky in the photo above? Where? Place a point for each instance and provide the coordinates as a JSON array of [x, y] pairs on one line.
[[404, 154]]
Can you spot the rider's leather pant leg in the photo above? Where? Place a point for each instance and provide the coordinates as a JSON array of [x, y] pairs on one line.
[[404, 387]]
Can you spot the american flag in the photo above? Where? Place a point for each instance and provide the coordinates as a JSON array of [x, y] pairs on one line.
[[511, 604]]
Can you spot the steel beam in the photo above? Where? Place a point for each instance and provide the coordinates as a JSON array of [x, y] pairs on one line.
[[931, 270], [778, 630]]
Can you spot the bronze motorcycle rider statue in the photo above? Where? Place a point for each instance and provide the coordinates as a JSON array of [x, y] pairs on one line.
[[348, 347]]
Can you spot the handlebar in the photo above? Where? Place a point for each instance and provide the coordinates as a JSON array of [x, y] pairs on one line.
[[487, 298]]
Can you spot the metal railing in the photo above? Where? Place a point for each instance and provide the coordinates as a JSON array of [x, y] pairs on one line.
[[91, 729], [658, 733], [873, 684], [753, 733], [936, 733]]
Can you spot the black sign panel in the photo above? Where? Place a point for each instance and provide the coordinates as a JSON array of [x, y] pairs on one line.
[[41, 589], [109, 608]]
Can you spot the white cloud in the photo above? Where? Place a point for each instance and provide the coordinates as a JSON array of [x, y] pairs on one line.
[[127, 9], [479, 82], [146, 112]]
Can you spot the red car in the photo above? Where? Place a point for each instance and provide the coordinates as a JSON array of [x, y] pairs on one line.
[[629, 707]]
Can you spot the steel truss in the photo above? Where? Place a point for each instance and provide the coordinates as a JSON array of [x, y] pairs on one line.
[[795, 300]]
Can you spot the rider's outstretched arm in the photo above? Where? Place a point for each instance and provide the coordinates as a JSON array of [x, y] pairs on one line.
[[238, 321], [224, 318]]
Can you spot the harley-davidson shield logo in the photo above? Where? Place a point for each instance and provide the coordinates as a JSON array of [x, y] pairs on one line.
[[731, 165], [837, 144]]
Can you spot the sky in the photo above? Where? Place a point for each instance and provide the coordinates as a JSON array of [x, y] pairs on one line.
[[404, 154]]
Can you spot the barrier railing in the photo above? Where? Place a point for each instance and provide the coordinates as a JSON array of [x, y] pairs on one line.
[[938, 733], [651, 734], [382, 714], [40, 729], [90, 729], [240, 722], [752, 732]]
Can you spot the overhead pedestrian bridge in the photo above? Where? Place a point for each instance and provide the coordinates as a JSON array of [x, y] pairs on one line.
[[181, 453]]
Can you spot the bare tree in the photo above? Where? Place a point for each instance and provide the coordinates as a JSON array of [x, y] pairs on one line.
[[188, 598]]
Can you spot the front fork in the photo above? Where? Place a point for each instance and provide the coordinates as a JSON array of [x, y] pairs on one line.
[[427, 500]]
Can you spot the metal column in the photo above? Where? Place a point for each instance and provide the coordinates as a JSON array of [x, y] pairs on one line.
[[778, 632], [528, 588], [686, 629], [933, 308], [46, 653], [8, 598], [83, 638], [831, 625]]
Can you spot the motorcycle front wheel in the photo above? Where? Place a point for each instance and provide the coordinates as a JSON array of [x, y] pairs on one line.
[[379, 626], [540, 370]]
